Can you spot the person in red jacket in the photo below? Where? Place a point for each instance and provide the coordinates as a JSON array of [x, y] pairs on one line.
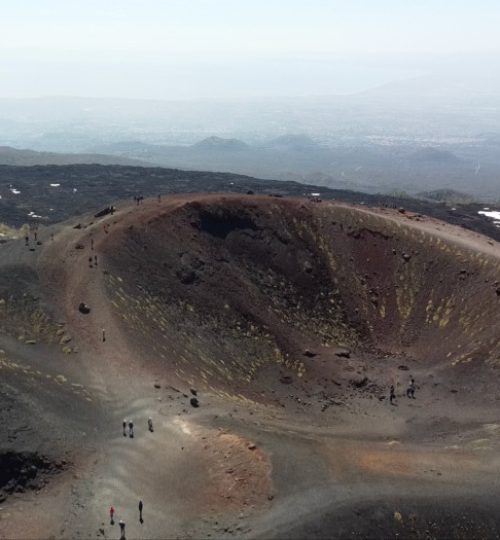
[[111, 515]]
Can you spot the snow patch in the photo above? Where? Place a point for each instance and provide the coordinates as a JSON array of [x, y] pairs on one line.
[[493, 214]]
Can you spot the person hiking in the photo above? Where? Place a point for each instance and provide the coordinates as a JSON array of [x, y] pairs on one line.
[[111, 515], [141, 506], [131, 429], [124, 426], [103, 335], [410, 392], [392, 395], [150, 424], [122, 529]]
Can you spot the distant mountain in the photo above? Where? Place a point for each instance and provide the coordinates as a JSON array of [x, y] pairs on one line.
[[434, 155], [443, 87], [14, 156], [218, 143], [370, 167]]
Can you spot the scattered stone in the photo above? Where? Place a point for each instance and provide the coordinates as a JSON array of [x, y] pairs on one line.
[[252, 446], [286, 379], [406, 257], [359, 382], [193, 391], [343, 353], [24, 471], [157, 385], [402, 367], [30, 341], [186, 276], [194, 402], [309, 353]]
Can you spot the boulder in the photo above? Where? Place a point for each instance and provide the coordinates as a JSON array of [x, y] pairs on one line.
[[83, 308], [194, 402]]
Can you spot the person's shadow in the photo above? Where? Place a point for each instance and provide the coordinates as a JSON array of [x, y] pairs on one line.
[[141, 520]]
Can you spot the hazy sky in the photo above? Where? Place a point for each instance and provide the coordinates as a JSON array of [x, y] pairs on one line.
[[231, 48]]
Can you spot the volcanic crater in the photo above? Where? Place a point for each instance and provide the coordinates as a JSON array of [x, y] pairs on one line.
[[224, 287]]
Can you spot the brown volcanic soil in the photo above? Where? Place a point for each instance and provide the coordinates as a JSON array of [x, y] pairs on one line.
[[289, 320]]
